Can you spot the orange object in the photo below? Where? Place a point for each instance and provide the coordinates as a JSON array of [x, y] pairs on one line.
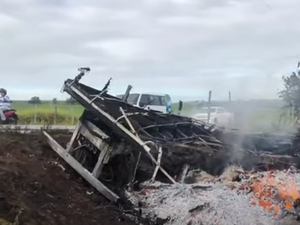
[[273, 194]]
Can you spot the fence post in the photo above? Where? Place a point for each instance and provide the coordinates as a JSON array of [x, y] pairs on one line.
[[209, 101], [35, 114], [55, 115], [72, 113], [180, 105]]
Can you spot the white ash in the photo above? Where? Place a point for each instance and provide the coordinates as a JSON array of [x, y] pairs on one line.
[[216, 205], [220, 206]]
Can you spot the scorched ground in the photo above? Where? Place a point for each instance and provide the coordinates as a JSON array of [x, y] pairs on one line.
[[38, 188]]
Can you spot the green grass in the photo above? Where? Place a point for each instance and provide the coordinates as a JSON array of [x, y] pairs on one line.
[[259, 119], [47, 112]]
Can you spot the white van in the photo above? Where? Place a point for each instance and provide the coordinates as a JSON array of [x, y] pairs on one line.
[[218, 115], [158, 102]]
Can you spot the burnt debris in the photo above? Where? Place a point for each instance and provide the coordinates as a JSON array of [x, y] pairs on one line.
[[116, 145]]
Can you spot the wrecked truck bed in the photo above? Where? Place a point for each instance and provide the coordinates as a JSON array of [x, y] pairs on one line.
[[114, 133], [117, 147]]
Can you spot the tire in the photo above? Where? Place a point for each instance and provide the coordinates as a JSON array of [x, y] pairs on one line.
[[12, 120]]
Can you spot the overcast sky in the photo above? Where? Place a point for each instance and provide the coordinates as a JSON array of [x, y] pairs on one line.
[[181, 47]]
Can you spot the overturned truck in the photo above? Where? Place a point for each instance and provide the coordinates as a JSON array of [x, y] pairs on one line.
[[116, 146]]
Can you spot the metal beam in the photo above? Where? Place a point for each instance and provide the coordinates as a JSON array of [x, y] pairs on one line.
[[81, 170]]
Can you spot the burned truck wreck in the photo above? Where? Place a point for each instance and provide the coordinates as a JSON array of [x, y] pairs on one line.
[[117, 147]]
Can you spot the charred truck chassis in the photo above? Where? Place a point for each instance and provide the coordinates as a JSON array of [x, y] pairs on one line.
[[116, 145]]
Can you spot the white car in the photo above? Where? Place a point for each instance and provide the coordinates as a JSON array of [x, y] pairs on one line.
[[158, 102], [218, 116]]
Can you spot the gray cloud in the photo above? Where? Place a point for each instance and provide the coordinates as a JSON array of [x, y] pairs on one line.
[[181, 47]]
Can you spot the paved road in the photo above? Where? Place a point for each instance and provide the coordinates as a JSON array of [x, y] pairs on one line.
[[36, 127]]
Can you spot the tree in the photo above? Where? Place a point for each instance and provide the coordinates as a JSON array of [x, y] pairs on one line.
[[291, 92], [71, 100], [35, 100], [54, 101]]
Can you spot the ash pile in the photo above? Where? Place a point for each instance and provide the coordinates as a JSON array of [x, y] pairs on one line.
[[176, 170]]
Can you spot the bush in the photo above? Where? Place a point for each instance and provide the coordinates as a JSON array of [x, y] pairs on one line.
[[35, 100]]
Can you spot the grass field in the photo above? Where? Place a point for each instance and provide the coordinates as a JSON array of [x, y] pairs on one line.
[[252, 117], [47, 112]]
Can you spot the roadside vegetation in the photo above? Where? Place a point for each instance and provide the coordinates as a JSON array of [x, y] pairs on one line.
[[47, 112]]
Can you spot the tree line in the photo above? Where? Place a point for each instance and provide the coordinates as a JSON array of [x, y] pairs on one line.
[[36, 100]]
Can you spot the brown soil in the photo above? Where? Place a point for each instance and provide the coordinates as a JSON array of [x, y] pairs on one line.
[[38, 188]]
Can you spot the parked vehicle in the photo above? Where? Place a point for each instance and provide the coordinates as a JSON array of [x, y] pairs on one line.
[[158, 102], [218, 115]]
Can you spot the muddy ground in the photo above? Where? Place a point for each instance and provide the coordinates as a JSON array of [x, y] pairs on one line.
[[38, 188]]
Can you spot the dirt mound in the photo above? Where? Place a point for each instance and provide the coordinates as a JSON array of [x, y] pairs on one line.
[[38, 188]]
